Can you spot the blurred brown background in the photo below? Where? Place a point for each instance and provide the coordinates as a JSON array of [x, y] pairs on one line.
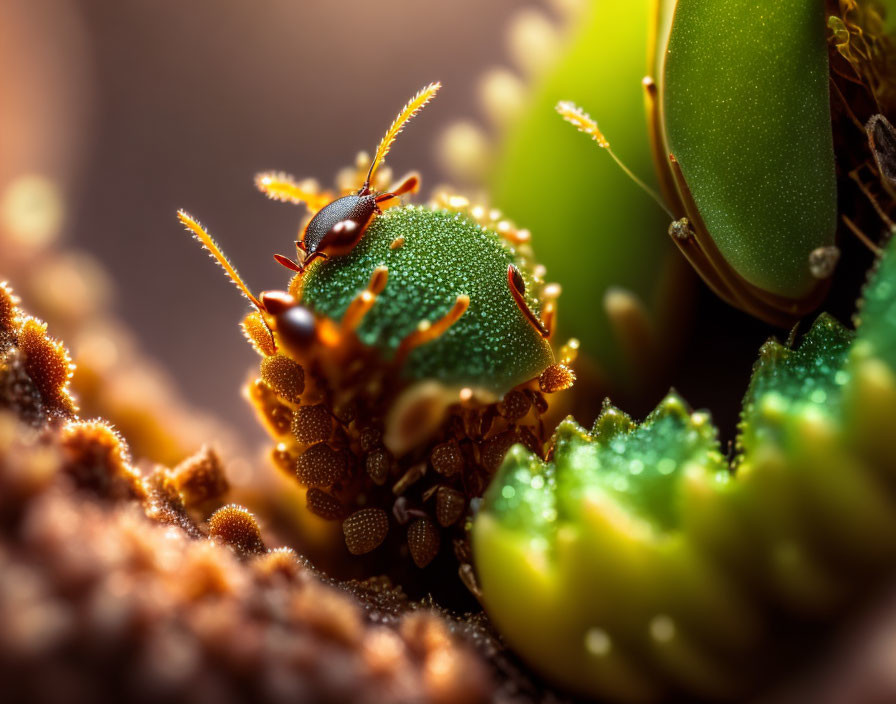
[[161, 104]]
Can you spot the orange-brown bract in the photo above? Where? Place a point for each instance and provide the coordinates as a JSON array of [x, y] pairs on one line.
[[284, 376], [312, 424], [365, 530], [423, 541]]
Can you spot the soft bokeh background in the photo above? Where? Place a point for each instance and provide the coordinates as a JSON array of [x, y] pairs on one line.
[[139, 108], [163, 104]]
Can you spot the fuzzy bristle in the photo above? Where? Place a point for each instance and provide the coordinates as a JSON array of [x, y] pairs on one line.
[[582, 121], [414, 106], [208, 243], [277, 185]]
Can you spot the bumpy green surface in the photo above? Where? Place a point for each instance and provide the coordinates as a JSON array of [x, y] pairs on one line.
[[638, 464], [445, 254], [639, 563], [747, 115], [796, 380], [591, 226]]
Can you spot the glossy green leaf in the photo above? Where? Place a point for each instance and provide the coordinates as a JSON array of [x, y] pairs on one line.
[[746, 113]]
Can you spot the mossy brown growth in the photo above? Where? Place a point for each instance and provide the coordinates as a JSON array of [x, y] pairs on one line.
[[200, 479], [8, 313], [35, 369], [128, 608], [96, 458], [164, 503], [281, 563], [106, 570], [236, 526]]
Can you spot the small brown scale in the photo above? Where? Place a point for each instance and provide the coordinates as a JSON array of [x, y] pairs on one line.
[[329, 407]]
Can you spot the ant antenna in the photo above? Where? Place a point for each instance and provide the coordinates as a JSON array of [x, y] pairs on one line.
[[412, 108], [582, 121], [214, 250]]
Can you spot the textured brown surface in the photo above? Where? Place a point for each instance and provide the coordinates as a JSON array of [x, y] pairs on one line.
[[114, 587]]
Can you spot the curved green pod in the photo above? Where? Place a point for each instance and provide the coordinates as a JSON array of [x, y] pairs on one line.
[[639, 563], [743, 139], [443, 255], [592, 227]]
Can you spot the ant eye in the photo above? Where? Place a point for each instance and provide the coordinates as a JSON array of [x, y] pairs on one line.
[[296, 327]]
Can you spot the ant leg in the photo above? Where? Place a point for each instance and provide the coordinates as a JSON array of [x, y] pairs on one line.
[[409, 184], [288, 263], [298, 264]]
